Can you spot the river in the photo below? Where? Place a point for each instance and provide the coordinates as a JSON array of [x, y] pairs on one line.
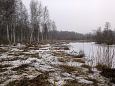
[[97, 53]]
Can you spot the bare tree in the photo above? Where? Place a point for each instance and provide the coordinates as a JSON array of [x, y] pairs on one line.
[[36, 14]]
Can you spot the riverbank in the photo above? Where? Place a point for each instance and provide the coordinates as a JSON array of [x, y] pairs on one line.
[[46, 65]]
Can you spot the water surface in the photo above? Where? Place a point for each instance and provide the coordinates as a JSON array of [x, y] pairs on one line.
[[95, 52]]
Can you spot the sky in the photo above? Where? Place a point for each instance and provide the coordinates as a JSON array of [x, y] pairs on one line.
[[81, 16]]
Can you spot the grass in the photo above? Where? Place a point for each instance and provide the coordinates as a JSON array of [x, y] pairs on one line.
[[70, 69], [107, 72], [101, 67], [21, 68], [59, 54], [16, 53], [66, 48], [78, 56], [35, 55], [64, 59], [74, 83], [40, 80], [71, 83], [79, 60], [95, 82], [3, 50], [61, 60], [14, 58], [88, 67], [3, 68]]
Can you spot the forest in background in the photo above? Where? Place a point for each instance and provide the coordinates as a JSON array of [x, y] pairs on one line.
[[17, 25]]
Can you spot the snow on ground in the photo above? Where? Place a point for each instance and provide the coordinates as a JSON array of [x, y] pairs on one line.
[[17, 63]]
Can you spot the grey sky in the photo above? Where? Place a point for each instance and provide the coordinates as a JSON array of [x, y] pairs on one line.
[[80, 15]]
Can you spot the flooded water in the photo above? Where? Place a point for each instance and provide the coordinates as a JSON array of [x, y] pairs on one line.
[[95, 52]]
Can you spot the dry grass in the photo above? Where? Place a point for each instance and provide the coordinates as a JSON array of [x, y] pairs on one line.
[[59, 54], [68, 68], [71, 69], [3, 68], [95, 82], [14, 58], [86, 66], [79, 60], [100, 67], [72, 83], [78, 56], [21, 69], [17, 53], [40, 80], [3, 50], [61, 60], [64, 59]]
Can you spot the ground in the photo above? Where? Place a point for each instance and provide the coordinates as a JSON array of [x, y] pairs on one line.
[[46, 65]]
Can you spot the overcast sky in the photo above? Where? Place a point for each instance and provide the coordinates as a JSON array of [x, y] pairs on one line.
[[80, 15]]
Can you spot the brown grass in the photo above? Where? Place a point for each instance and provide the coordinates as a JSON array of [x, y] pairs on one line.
[[79, 60], [40, 80], [68, 68], [86, 66], [21, 68], [71, 83], [100, 67], [71, 69], [95, 82], [3, 50], [64, 59], [59, 54]]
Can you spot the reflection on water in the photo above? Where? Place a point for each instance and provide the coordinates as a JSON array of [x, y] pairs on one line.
[[95, 52]]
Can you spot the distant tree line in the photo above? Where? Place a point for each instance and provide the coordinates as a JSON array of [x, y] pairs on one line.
[[102, 35], [106, 36], [67, 35]]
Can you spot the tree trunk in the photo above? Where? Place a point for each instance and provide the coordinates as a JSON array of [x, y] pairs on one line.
[[8, 34], [14, 36]]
